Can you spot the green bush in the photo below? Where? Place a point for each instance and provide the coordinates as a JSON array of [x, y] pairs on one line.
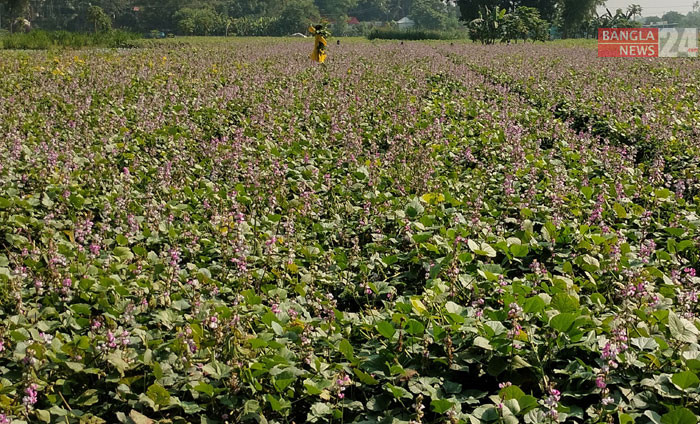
[[42, 40], [419, 34]]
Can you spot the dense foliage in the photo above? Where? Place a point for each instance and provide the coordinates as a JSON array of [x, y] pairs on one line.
[[214, 16], [426, 233], [495, 24]]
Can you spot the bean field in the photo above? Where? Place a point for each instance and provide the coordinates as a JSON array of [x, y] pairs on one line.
[[426, 232]]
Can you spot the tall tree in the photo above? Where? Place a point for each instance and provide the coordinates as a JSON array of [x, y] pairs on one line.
[[672, 17], [469, 9], [335, 8], [691, 20], [428, 13], [99, 19], [433, 14], [240, 8], [14, 9], [546, 8], [634, 10], [371, 10], [296, 16], [575, 14], [400, 8]]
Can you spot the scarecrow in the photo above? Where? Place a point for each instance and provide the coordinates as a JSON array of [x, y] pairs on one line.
[[320, 43]]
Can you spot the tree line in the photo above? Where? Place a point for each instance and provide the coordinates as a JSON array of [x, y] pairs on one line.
[[523, 18], [221, 17]]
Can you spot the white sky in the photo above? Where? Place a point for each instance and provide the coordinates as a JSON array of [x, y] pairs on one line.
[[651, 7]]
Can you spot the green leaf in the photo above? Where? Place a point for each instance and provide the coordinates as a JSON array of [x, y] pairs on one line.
[[414, 327], [346, 349], [418, 306], [190, 408], [77, 200], [399, 392], [533, 305], [257, 343], [620, 211], [562, 322], [19, 335], [563, 302], [663, 193], [422, 237], [527, 403], [43, 415], [511, 392], [519, 250], [319, 409], [365, 378], [676, 232], [681, 329], [684, 244], [390, 260], [277, 404], [484, 249], [115, 358], [587, 191], [158, 394], [205, 388], [123, 241], [440, 406], [46, 201], [590, 263], [217, 370], [482, 343], [685, 379], [624, 418], [123, 253], [414, 208], [386, 329], [251, 406], [283, 380], [679, 416], [645, 343], [81, 308]]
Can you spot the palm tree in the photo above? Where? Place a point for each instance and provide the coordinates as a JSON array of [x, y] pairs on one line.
[[634, 10]]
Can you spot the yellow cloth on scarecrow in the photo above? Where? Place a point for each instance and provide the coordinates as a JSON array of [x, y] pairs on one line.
[[320, 44]]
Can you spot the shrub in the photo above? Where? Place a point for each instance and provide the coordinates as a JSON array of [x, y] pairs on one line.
[[419, 34], [42, 40]]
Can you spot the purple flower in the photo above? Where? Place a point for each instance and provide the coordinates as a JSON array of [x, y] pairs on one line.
[[31, 395], [600, 382]]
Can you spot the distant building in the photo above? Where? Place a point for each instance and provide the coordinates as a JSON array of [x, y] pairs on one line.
[[405, 23], [353, 21]]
